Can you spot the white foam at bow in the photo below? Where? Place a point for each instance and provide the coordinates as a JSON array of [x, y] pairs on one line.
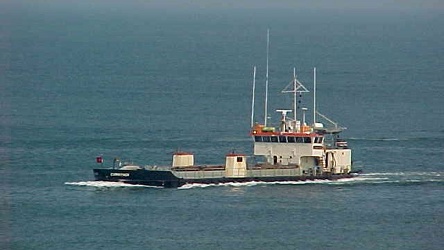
[[105, 184]]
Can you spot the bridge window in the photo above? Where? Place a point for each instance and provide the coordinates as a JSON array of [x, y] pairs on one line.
[[282, 138], [307, 139], [266, 139], [258, 138], [239, 159], [291, 139], [274, 139], [318, 139], [300, 139]]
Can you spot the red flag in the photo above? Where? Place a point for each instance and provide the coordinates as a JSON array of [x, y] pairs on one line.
[[99, 159]]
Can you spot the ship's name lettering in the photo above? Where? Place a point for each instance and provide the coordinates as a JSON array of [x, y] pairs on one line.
[[120, 174]]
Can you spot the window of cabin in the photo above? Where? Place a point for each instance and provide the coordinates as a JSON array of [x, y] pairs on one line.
[[318, 139]]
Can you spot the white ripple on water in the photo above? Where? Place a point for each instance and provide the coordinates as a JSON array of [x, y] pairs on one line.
[[371, 178], [406, 177], [105, 184], [367, 178], [437, 174], [255, 183]]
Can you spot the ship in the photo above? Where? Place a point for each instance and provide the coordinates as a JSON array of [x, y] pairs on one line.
[[292, 150]]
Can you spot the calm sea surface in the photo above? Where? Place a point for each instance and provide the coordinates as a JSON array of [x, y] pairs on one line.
[[77, 82]]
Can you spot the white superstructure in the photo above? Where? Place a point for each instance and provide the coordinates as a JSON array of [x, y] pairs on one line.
[[293, 143]]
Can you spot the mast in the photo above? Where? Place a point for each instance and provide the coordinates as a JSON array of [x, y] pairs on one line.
[[266, 80], [314, 96], [295, 95], [295, 87], [252, 99]]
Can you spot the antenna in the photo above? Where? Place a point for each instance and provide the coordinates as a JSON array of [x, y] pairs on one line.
[[266, 80], [314, 96], [252, 99]]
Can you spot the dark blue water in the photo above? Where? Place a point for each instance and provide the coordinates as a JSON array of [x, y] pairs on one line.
[[139, 83]]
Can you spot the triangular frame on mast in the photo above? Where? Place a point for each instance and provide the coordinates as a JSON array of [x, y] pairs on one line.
[[296, 87]]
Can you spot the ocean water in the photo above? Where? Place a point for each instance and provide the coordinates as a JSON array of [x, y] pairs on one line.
[[79, 81]]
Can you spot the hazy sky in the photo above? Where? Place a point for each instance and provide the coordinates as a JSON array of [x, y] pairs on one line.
[[243, 4], [349, 4]]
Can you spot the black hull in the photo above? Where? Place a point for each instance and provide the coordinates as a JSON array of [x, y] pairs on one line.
[[168, 180], [140, 177]]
